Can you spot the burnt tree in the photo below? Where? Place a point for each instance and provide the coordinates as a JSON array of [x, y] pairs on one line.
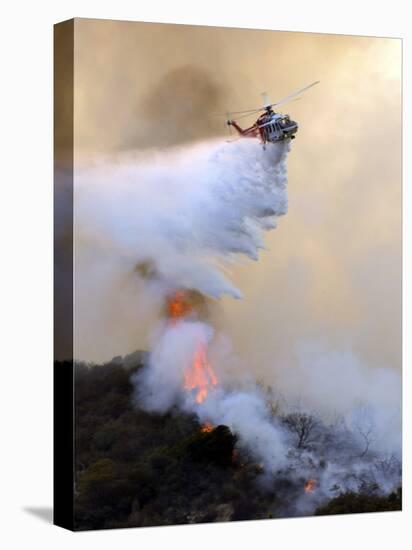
[[302, 425]]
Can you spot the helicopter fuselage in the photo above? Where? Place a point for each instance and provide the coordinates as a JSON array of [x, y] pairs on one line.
[[269, 127]]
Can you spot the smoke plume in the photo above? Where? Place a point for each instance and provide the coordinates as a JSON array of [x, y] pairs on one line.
[[177, 222], [188, 213]]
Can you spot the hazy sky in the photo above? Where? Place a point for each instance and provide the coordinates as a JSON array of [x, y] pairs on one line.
[[332, 273]]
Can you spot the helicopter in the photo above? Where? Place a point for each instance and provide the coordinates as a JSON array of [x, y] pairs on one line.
[[270, 127]]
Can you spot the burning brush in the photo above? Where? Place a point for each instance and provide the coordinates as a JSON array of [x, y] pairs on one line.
[[200, 377], [310, 486], [207, 427]]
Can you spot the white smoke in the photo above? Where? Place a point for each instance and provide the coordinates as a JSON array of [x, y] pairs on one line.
[[337, 383], [160, 384], [240, 405], [188, 215], [246, 413], [190, 211]]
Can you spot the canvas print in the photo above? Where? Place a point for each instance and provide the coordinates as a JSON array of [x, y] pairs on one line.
[[227, 274]]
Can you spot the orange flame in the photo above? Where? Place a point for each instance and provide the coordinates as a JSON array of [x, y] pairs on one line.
[[310, 485], [178, 305], [200, 375], [207, 427]]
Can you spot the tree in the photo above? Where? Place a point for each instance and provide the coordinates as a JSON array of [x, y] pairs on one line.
[[214, 447], [364, 426], [302, 425], [273, 401], [352, 503]]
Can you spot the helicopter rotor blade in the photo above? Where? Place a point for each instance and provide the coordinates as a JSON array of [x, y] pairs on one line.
[[249, 114], [286, 99], [244, 112], [290, 100], [292, 95], [265, 99], [263, 109]]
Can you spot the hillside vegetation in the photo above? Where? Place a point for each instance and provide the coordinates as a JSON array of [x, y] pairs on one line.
[[133, 468]]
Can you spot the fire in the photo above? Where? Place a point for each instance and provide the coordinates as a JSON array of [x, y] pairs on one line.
[[207, 427], [178, 305], [310, 485], [200, 376]]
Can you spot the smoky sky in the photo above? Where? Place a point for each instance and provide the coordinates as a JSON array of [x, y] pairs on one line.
[[332, 271], [179, 107]]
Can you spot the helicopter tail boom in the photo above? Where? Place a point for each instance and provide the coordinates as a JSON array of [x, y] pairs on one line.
[[253, 131]]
